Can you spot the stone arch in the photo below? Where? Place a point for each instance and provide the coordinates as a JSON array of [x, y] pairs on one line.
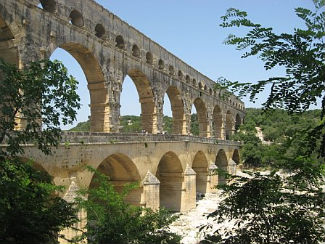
[[76, 18], [121, 170], [99, 30], [7, 53], [229, 125], [161, 64], [135, 51], [205, 88], [146, 99], [200, 166], [202, 117], [221, 163], [217, 122], [200, 85], [170, 174], [171, 70], [149, 58], [194, 82], [177, 107], [180, 75], [187, 79], [48, 5], [237, 122], [210, 92], [236, 156], [99, 117], [119, 42]]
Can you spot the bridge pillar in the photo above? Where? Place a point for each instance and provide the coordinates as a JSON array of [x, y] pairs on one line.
[[188, 190], [151, 187], [212, 179], [232, 167], [69, 196]]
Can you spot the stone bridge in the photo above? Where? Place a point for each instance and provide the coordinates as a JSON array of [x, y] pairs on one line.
[[169, 168]]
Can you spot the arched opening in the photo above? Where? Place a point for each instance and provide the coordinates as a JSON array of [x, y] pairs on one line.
[[180, 75], [48, 5], [200, 166], [149, 58], [177, 108], [99, 30], [135, 51], [87, 64], [205, 88], [119, 42], [222, 164], [76, 18], [237, 122], [236, 157], [187, 79], [8, 52], [171, 70], [217, 122], [200, 85], [161, 64], [194, 122], [144, 91], [170, 175], [210, 92], [194, 82], [202, 117], [121, 170], [229, 125]]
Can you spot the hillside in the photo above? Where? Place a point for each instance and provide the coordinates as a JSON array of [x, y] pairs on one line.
[[132, 124]]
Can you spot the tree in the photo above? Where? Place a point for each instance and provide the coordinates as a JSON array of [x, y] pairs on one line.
[[45, 97], [111, 220], [286, 204]]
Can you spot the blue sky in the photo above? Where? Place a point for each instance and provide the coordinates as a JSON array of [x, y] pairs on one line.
[[190, 30]]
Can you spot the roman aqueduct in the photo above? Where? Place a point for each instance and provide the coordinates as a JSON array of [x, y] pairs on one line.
[[169, 168]]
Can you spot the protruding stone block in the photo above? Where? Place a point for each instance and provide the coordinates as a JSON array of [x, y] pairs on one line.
[[151, 191], [212, 178], [189, 189]]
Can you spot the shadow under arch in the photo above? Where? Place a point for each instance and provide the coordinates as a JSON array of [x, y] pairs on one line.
[[222, 163], [229, 125], [170, 175], [177, 107], [146, 98], [236, 156], [201, 167], [237, 122], [217, 122], [99, 117], [8, 51], [121, 170], [202, 117]]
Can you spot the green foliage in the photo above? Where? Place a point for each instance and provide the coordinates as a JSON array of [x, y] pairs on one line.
[[195, 125], [30, 209], [132, 124], [301, 54], [285, 205], [265, 210], [41, 92], [45, 97], [112, 220]]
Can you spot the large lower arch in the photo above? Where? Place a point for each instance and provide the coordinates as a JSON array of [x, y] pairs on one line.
[[177, 107], [202, 117], [200, 166], [170, 175], [229, 125], [222, 164], [217, 122], [99, 110], [121, 170], [146, 99]]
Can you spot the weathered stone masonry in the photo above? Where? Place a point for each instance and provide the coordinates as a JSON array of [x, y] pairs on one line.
[[169, 168]]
